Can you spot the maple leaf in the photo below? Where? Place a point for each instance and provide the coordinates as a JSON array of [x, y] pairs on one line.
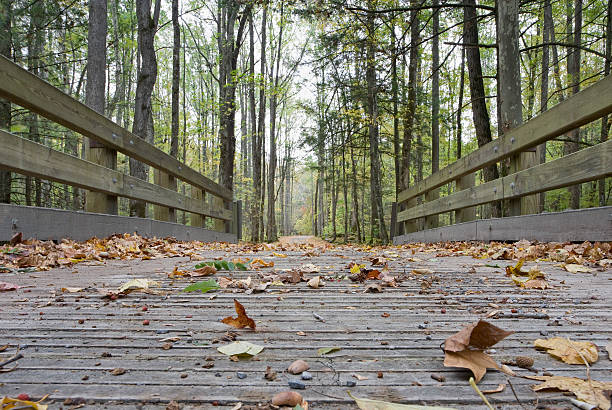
[[590, 391], [568, 351], [242, 320]]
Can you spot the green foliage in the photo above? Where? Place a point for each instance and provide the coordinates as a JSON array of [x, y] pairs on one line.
[[204, 286]]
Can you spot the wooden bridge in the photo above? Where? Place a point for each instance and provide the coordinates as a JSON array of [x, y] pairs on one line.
[[84, 348]]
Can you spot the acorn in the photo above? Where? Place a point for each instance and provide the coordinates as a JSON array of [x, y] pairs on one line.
[[524, 362]]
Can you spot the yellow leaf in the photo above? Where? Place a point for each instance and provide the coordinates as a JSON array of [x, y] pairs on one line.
[[568, 351], [590, 391], [8, 403], [356, 268], [279, 255], [368, 404], [575, 268]]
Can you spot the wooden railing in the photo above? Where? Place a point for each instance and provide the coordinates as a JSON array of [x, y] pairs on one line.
[[32, 159], [585, 165]]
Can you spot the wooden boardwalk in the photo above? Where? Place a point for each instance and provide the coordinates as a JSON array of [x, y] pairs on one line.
[[72, 341]]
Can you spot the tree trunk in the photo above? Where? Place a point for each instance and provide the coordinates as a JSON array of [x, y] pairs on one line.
[[573, 69], [255, 146], [480, 114], [5, 106], [546, 29], [394, 96], [460, 104], [433, 220], [605, 125], [147, 75]]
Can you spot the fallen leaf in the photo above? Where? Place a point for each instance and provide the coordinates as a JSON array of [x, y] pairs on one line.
[[118, 371], [298, 367], [422, 271], [139, 284], [203, 271], [575, 268], [326, 350], [310, 268], [368, 404], [5, 286], [609, 349], [204, 286], [481, 335], [260, 263], [475, 360], [568, 351], [17, 238], [9, 403], [279, 255], [500, 388], [516, 269], [72, 290], [359, 377], [315, 282], [590, 391], [242, 320], [240, 348], [373, 288]]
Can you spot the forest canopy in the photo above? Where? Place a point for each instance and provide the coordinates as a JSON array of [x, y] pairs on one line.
[[316, 114]]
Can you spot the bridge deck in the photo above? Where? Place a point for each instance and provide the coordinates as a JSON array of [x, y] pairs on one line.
[[71, 341]]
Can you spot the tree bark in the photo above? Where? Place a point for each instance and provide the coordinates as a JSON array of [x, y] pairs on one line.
[[605, 125], [546, 29], [147, 75], [5, 106], [433, 220], [255, 146], [482, 124]]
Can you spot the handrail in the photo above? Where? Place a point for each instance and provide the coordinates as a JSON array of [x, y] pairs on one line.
[[29, 91], [580, 109]]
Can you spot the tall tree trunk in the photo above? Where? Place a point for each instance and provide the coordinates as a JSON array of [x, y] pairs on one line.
[[460, 104], [147, 75], [377, 211], [394, 95], [573, 69], [546, 29], [605, 125], [482, 124], [271, 231], [433, 221], [5, 106], [255, 146]]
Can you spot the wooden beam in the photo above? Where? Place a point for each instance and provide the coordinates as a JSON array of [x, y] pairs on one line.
[[100, 202], [197, 195], [24, 88], [586, 165], [580, 109], [163, 213], [30, 158], [465, 214]]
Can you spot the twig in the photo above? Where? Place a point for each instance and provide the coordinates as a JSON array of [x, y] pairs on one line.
[[11, 360], [482, 396], [514, 392]]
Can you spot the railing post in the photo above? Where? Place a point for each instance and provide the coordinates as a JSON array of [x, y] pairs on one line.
[[465, 214], [237, 219], [393, 227], [219, 205], [197, 219], [162, 213], [413, 224], [432, 221], [99, 202], [527, 204]]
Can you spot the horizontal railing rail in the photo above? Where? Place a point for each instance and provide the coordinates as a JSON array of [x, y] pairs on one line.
[[589, 164], [29, 158]]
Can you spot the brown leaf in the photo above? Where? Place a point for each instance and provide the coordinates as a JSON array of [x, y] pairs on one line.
[[203, 271], [270, 374], [242, 320], [609, 349], [315, 282], [17, 238], [475, 360], [590, 391], [373, 288], [480, 335], [500, 388], [567, 350]]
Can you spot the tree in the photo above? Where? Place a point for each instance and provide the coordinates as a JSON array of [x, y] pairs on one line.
[[147, 75], [5, 106]]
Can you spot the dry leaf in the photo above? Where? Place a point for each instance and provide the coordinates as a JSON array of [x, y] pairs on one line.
[[260, 263], [568, 351], [359, 377], [609, 349], [480, 335], [279, 255], [500, 388], [140, 284], [205, 270], [242, 320], [422, 271], [368, 404], [575, 268], [316, 282], [590, 391], [373, 288], [270, 374], [9, 403], [5, 286], [475, 360]]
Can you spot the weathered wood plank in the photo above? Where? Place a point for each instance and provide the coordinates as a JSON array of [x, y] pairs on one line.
[[580, 109], [21, 87], [465, 214], [30, 158], [593, 224], [56, 224], [582, 166]]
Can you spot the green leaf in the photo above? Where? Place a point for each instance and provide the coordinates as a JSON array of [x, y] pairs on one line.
[[326, 350], [231, 265], [241, 266], [218, 265], [240, 348], [225, 265], [204, 286]]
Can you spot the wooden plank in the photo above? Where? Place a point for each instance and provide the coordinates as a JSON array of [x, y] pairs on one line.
[[99, 202], [57, 224], [432, 221], [593, 224], [465, 214], [198, 195], [163, 213], [582, 166], [30, 158], [580, 109], [21, 87]]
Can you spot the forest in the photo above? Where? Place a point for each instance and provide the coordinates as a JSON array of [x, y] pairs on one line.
[[315, 113]]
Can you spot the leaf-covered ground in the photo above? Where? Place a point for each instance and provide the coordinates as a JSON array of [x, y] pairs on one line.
[[130, 321]]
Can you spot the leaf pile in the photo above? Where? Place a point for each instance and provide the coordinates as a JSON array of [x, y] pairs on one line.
[[466, 347]]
